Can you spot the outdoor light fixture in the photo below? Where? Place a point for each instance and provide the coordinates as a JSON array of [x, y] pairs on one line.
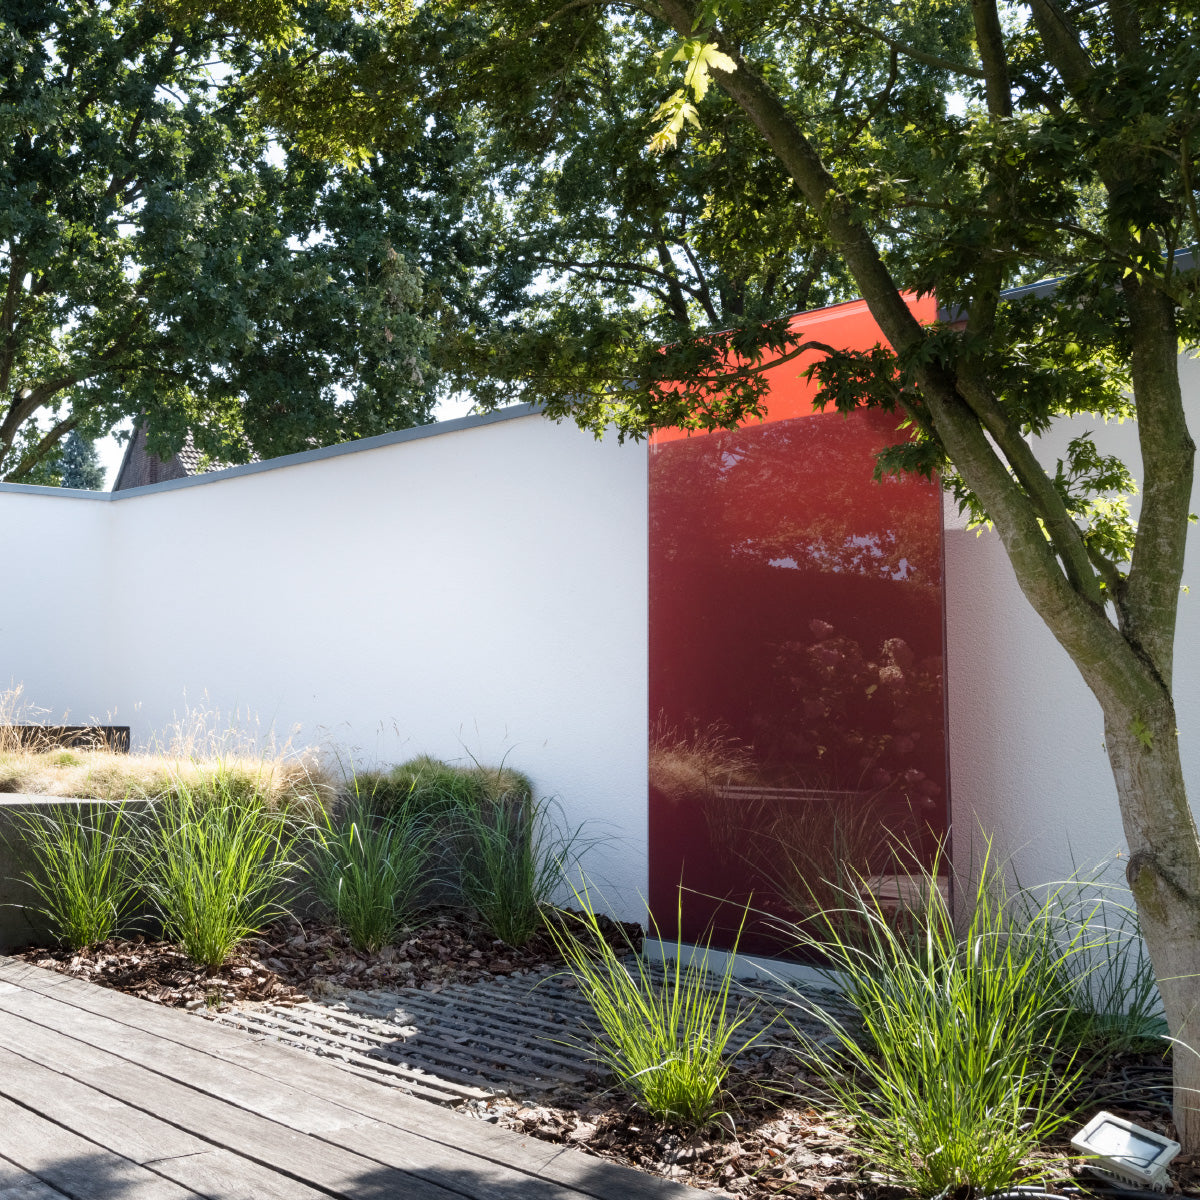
[[1125, 1152]]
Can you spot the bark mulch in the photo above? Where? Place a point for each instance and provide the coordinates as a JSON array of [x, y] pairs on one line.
[[295, 961], [772, 1142]]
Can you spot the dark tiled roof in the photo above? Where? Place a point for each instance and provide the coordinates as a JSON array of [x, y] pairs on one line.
[[140, 467]]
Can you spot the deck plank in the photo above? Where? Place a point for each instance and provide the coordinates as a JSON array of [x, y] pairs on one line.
[[308, 1161], [75, 1166], [140, 1137], [16, 1184], [587, 1175], [336, 1153]]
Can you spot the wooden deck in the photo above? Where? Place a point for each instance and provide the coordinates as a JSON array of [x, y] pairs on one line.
[[105, 1096]]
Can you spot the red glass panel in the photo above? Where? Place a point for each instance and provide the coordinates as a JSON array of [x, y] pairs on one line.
[[796, 681]]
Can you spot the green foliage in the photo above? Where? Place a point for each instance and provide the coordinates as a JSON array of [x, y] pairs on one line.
[[669, 1040], [960, 1063], [163, 260], [83, 870], [75, 465], [497, 849], [216, 862], [434, 785], [1113, 1005], [369, 870], [515, 852], [651, 290]]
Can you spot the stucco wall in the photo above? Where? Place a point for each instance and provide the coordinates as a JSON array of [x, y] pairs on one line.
[[480, 592], [1027, 759], [56, 616]]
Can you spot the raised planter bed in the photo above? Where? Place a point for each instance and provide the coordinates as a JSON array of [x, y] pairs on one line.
[[114, 738]]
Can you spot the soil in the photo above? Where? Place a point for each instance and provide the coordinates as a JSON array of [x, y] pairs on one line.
[[768, 1142]]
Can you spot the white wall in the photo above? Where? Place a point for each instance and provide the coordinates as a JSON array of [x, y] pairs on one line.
[[56, 618], [1027, 756], [478, 592]]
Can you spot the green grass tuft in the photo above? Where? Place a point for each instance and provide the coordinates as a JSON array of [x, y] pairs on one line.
[[514, 854], [369, 870], [960, 1065], [82, 870], [668, 1042], [217, 860]]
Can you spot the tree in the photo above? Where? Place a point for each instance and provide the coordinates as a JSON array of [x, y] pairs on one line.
[[951, 146], [75, 464], [163, 257]]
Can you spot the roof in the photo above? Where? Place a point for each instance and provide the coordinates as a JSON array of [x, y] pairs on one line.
[[139, 467]]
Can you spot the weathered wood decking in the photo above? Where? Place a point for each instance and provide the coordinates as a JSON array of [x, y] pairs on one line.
[[105, 1096]]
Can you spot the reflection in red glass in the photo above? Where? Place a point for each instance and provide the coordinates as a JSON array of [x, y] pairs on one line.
[[796, 677]]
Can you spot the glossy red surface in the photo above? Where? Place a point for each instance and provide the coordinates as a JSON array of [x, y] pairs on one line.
[[796, 669]]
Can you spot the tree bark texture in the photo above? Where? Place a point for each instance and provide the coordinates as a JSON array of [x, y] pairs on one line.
[[1164, 876]]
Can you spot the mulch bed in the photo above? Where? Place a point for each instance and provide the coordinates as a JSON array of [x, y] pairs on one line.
[[768, 1143], [763, 1145], [294, 961], [772, 1143]]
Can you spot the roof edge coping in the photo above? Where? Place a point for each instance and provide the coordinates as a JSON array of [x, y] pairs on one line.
[[414, 433]]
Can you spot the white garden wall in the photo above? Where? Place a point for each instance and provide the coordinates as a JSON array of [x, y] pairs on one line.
[[56, 598], [1027, 758], [477, 592], [479, 587]]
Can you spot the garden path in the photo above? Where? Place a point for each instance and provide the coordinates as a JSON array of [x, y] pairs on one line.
[[526, 1035], [103, 1095]]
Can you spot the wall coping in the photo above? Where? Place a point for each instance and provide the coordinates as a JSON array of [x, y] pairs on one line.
[[436, 429]]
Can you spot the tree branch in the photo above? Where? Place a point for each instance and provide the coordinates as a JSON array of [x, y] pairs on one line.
[[1064, 534], [1168, 455], [702, 292], [907, 51], [989, 36], [31, 458], [1063, 45]]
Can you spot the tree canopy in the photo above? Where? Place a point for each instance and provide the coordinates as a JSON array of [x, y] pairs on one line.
[[164, 256]]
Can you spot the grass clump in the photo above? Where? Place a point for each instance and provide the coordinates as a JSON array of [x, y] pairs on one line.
[[670, 1041], [514, 857], [201, 746], [499, 851], [82, 871], [1114, 1006], [100, 774], [959, 1066], [369, 871], [217, 861], [440, 787]]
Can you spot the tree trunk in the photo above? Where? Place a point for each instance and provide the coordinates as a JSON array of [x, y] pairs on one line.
[[1164, 875]]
